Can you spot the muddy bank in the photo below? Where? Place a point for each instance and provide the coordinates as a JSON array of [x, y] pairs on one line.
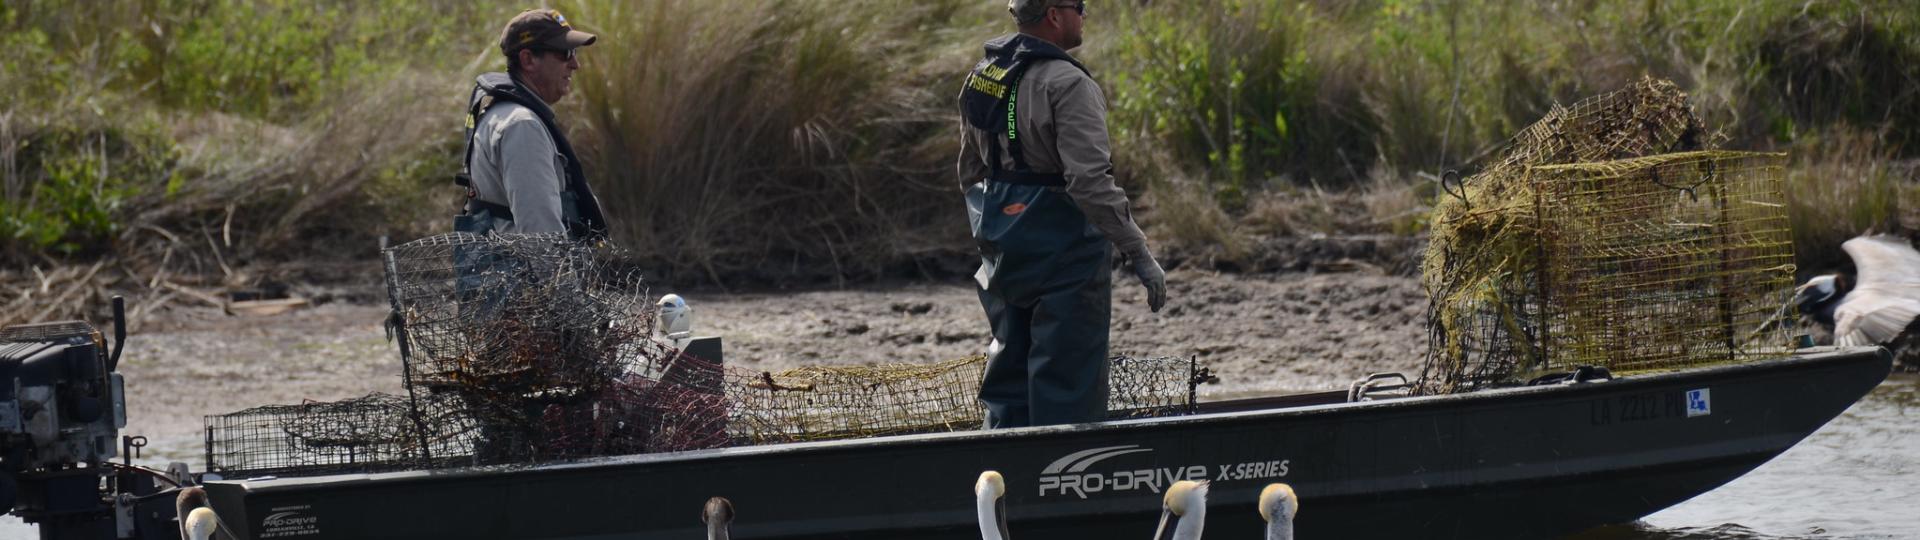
[[1257, 332]]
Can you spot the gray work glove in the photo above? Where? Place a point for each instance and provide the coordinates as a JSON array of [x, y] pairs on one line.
[[1151, 277]]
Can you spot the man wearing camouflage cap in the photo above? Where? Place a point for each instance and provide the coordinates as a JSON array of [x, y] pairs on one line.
[[520, 172], [1037, 170]]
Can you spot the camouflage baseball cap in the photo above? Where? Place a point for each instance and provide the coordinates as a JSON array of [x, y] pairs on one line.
[[544, 28], [1028, 11]]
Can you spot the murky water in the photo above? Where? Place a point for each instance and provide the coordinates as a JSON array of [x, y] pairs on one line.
[[1856, 478]]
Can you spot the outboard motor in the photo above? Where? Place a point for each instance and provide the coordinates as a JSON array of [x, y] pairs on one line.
[[62, 406]]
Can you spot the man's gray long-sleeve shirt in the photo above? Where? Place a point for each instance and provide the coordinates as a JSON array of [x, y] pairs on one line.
[[516, 164], [1063, 128]]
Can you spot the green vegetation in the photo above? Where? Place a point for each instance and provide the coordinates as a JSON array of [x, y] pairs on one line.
[[773, 140]]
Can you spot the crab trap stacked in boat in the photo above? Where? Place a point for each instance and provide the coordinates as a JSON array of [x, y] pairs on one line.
[[522, 349], [1604, 236]]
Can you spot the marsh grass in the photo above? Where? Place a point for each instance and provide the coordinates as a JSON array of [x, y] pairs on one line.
[[1842, 183], [758, 142], [737, 135]]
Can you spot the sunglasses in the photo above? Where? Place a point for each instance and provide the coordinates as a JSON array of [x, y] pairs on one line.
[[564, 54], [1078, 7]]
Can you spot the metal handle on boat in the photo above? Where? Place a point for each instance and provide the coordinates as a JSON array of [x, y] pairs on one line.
[[1362, 389]]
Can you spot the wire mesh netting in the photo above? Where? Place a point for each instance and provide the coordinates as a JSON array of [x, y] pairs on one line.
[[514, 313], [373, 433], [1666, 261], [1561, 237], [816, 403], [529, 349]]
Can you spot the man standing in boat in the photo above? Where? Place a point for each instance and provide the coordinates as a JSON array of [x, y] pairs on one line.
[[521, 178], [1037, 170], [520, 172]]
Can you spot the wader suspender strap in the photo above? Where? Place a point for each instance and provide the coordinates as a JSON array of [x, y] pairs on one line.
[[1021, 173], [479, 106], [465, 178]]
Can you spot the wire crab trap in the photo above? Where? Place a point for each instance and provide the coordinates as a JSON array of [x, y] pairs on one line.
[[524, 349], [513, 314], [1666, 261], [532, 337], [378, 432], [1568, 234], [839, 402]]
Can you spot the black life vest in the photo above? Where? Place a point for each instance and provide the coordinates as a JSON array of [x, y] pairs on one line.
[[579, 209], [990, 101]]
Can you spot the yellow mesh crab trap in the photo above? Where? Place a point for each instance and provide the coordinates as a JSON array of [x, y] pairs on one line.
[[1603, 236]]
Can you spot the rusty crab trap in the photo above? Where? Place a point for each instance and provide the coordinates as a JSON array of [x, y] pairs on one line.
[[1603, 237], [513, 314], [526, 349]]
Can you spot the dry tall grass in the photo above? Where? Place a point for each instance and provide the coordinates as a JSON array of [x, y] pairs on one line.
[[789, 137], [1841, 184]]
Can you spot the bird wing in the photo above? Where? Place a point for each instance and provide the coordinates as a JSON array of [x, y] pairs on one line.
[[1887, 296], [1886, 262], [1872, 318]]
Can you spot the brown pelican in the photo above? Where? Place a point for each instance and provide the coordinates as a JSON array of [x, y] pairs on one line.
[[1185, 501], [192, 501], [717, 515], [990, 504], [1876, 306], [1278, 506], [190, 498], [1186, 504], [199, 524]]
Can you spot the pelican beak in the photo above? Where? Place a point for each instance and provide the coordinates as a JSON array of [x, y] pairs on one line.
[[1165, 530], [1000, 512]]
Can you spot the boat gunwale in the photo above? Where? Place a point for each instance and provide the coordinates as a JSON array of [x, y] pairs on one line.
[[1804, 359]]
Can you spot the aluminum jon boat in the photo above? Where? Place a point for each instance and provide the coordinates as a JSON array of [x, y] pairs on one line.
[[1528, 462]]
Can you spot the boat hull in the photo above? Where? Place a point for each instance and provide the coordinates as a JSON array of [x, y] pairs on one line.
[[1514, 463]]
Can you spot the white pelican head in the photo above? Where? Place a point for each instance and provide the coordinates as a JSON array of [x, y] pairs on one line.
[[1278, 506], [190, 497], [200, 524], [676, 319], [1186, 504], [990, 504]]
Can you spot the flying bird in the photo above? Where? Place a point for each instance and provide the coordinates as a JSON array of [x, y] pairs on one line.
[[1876, 306], [1278, 506]]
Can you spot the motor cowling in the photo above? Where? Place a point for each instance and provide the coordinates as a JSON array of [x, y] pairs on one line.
[[61, 405]]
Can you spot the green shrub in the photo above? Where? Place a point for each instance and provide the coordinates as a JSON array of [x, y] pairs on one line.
[[67, 188], [1228, 87]]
